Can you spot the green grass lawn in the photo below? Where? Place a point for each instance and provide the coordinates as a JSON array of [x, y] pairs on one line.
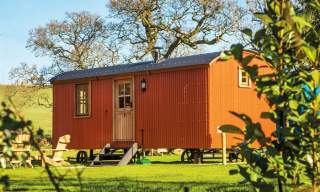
[[161, 175], [40, 116]]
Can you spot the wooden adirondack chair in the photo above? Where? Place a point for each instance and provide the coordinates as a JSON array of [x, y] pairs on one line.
[[57, 153], [20, 146]]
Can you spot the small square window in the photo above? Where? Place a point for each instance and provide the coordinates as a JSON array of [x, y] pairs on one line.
[[82, 99], [244, 78]]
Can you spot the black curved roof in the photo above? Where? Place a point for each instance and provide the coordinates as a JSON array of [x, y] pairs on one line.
[[177, 62]]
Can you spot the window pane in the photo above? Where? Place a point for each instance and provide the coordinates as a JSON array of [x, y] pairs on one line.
[[121, 89], [80, 93], [127, 89], [244, 79], [85, 111], [121, 102], [84, 94], [128, 101], [82, 99], [82, 109]]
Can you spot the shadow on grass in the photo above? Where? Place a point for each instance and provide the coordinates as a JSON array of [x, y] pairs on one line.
[[210, 162], [127, 185], [154, 162]]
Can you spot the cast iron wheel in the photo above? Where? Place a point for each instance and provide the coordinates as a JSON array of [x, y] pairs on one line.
[[82, 157], [197, 156], [187, 156], [233, 156]]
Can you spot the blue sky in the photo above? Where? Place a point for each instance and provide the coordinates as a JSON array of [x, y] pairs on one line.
[[17, 17]]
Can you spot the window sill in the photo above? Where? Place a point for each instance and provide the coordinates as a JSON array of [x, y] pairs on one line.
[[82, 117], [244, 86]]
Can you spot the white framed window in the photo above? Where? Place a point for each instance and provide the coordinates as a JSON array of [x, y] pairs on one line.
[[244, 79], [124, 96]]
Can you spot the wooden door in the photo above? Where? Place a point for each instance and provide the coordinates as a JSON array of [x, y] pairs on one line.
[[123, 128]]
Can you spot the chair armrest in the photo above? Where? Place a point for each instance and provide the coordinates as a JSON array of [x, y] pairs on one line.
[[44, 150], [21, 150], [59, 149], [17, 142]]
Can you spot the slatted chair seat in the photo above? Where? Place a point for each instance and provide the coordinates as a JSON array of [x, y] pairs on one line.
[[57, 154]]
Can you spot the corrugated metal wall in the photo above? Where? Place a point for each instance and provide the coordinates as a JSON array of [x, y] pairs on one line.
[[173, 111], [226, 95], [88, 133], [180, 108]]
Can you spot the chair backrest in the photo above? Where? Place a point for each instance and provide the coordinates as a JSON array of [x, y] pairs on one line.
[[61, 145], [22, 137], [22, 141]]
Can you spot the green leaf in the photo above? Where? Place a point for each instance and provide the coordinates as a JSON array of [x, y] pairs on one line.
[[259, 35], [252, 71], [244, 172], [224, 56], [237, 51], [245, 118], [247, 59], [311, 52], [315, 76], [293, 104], [292, 146], [268, 115], [259, 134], [265, 18], [315, 5], [247, 31], [227, 128], [254, 177], [301, 21]]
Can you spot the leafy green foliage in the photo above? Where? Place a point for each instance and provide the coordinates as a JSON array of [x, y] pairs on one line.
[[291, 155]]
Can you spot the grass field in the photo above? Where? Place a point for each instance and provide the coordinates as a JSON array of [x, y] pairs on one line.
[[161, 175], [40, 116]]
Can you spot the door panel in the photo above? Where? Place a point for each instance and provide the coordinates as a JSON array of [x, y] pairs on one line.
[[123, 129]]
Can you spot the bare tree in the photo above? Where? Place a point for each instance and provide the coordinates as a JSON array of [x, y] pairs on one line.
[[145, 25], [77, 42], [255, 6], [25, 75], [29, 81]]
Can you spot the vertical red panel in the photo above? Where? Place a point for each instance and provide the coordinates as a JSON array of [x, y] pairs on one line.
[[226, 95], [173, 111], [86, 133]]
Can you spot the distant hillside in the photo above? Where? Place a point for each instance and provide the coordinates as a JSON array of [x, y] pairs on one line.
[[40, 116]]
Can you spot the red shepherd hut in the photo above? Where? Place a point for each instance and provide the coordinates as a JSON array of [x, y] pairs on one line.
[[175, 103]]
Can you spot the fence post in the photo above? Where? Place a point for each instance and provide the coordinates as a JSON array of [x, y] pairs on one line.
[[224, 148]]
